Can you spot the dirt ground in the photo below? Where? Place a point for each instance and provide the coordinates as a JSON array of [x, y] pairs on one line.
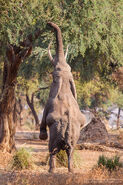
[[85, 173]]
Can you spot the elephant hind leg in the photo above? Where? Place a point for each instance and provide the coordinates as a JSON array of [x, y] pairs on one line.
[[70, 159], [52, 163]]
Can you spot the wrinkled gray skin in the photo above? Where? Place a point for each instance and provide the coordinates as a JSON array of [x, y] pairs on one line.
[[61, 113]]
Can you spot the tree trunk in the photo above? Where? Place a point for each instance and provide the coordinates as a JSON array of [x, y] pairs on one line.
[[14, 57], [7, 142], [19, 109], [31, 106], [118, 118], [7, 118]]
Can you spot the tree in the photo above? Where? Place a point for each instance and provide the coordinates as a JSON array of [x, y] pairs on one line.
[[118, 77], [93, 32], [30, 102], [117, 99], [93, 94], [16, 52], [19, 109], [14, 56]]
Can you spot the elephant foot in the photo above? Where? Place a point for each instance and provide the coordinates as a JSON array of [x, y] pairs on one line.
[[43, 135], [51, 170], [70, 170]]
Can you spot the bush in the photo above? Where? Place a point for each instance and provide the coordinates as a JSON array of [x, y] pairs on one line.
[[22, 159], [62, 159], [76, 159], [110, 163]]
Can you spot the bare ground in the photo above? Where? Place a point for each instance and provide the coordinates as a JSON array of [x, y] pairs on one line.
[[84, 174]]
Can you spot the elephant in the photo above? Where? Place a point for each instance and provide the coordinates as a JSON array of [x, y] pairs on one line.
[[61, 113]]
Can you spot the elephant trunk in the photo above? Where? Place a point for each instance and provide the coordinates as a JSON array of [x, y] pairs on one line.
[[59, 49]]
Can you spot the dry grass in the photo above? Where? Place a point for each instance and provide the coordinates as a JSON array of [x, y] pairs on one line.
[[86, 173], [115, 131], [5, 159], [61, 177], [102, 174]]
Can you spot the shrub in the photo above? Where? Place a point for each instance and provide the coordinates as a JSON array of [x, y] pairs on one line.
[[62, 159], [102, 160], [110, 163], [22, 159]]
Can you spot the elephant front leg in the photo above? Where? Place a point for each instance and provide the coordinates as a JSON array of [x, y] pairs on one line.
[[43, 132], [52, 163], [70, 159]]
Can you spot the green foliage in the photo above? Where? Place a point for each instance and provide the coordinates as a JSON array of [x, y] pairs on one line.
[[119, 99], [22, 159], [43, 96], [110, 163], [116, 97], [95, 33], [94, 93], [102, 160], [98, 93], [93, 28]]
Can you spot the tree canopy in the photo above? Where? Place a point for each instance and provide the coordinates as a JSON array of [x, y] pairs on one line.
[[92, 28]]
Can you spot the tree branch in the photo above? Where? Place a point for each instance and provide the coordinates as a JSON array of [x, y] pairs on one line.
[[32, 99]]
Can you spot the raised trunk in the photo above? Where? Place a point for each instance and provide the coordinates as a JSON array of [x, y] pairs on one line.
[[118, 118], [31, 106], [59, 50]]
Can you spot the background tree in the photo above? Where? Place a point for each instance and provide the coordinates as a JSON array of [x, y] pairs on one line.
[[30, 102], [118, 100]]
